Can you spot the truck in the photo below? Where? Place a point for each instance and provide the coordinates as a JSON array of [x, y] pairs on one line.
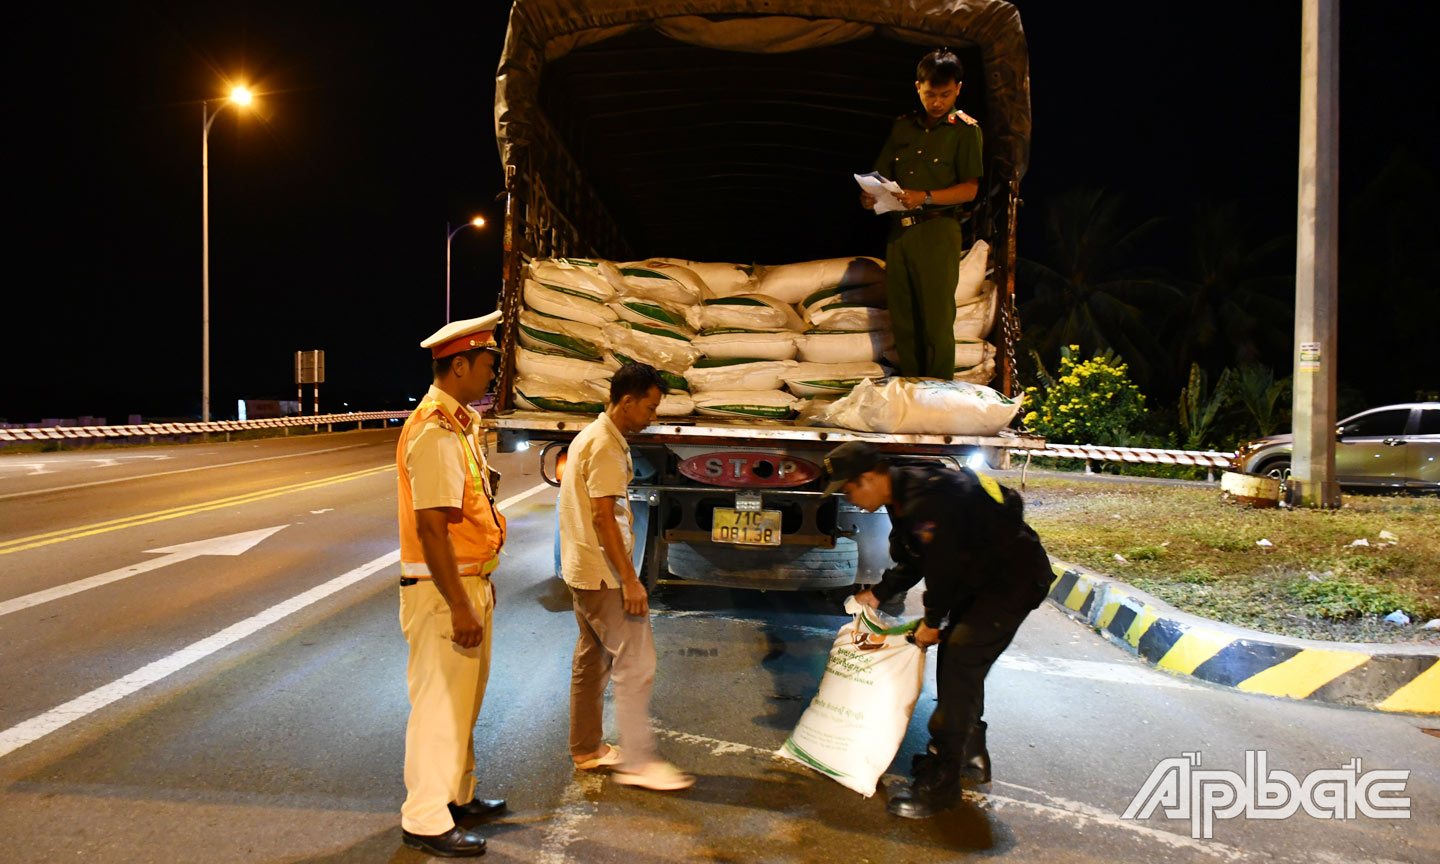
[[728, 130]]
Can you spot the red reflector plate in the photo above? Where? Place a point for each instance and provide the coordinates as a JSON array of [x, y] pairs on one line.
[[746, 527], [750, 470]]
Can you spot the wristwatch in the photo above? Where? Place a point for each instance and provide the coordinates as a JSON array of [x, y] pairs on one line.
[[928, 199]]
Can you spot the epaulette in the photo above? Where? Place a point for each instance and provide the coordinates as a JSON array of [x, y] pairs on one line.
[[958, 115]]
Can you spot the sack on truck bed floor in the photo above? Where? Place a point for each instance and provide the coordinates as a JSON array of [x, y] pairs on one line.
[[855, 724], [922, 406]]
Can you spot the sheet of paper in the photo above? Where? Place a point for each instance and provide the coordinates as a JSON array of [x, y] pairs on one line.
[[884, 191]]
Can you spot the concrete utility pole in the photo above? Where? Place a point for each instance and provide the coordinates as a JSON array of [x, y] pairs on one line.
[[1312, 470]]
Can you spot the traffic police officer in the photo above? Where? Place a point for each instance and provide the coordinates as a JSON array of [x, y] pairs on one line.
[[984, 571], [935, 155], [450, 539]]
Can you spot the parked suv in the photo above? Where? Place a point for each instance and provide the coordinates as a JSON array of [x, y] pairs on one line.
[[1393, 447]]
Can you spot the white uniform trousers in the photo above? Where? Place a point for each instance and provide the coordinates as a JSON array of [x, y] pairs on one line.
[[447, 685]]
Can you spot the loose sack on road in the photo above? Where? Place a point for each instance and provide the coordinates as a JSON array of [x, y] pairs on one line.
[[855, 724]]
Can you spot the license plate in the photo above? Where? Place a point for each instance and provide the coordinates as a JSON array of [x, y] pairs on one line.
[[746, 527]]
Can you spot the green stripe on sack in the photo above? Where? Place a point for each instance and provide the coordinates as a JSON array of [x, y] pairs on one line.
[[833, 383], [799, 753], [653, 312], [719, 362], [675, 382], [647, 274], [573, 292], [567, 345], [653, 330], [890, 631], [821, 295], [763, 412], [821, 332], [726, 331], [735, 301], [566, 406]]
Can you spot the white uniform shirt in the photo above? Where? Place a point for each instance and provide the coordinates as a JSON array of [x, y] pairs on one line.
[[597, 465]]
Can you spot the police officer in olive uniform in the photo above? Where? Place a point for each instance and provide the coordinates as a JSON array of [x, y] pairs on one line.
[[984, 571], [935, 155]]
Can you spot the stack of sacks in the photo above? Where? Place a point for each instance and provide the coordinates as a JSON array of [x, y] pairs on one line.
[[555, 381], [559, 363], [974, 317]]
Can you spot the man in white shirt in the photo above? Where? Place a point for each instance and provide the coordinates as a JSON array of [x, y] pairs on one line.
[[611, 606]]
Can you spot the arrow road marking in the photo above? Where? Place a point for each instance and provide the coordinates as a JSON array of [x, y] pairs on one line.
[[59, 717], [232, 544]]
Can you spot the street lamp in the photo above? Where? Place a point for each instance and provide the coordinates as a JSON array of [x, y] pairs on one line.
[[478, 223], [241, 97]]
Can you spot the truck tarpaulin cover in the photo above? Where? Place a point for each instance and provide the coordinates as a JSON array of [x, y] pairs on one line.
[[702, 107], [543, 32]]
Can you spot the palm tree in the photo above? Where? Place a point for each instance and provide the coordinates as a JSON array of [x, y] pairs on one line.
[[1089, 290], [1233, 311]]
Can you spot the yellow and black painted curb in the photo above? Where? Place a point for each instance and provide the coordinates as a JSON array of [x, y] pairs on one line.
[[1368, 676]]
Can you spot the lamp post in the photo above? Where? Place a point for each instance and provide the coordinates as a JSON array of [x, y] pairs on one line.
[[478, 223], [242, 97]]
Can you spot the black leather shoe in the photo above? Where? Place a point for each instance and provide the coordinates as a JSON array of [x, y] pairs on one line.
[[455, 843], [915, 802], [478, 808]]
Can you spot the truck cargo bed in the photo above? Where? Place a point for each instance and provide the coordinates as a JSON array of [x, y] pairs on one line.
[[556, 425]]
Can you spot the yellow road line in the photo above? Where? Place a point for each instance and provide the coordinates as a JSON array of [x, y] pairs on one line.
[[37, 540]]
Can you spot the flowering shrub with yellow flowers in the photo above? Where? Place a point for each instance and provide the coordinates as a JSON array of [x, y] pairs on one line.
[[1089, 402]]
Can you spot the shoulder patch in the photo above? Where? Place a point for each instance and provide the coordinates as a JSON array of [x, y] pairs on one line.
[[958, 116]]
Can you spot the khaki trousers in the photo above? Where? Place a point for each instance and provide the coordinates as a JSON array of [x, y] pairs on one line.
[[615, 645], [447, 685]]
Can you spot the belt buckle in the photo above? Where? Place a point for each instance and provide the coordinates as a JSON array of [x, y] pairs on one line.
[[907, 221]]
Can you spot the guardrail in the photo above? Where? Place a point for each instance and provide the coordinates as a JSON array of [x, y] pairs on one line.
[[1209, 459], [144, 430]]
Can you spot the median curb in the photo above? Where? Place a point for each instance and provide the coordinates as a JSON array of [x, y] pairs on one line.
[[1400, 678]]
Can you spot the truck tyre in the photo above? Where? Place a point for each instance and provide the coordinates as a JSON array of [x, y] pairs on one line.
[[782, 568]]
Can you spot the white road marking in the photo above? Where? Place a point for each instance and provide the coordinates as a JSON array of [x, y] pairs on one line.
[[176, 471], [516, 499], [566, 825], [1054, 807], [1093, 670], [61, 716], [232, 544], [325, 510]]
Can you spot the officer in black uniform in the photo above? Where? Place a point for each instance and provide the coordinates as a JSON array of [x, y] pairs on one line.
[[984, 571]]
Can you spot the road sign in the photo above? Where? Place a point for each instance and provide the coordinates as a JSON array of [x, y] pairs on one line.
[[309, 367]]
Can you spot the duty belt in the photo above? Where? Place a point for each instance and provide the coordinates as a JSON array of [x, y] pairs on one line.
[[924, 216]]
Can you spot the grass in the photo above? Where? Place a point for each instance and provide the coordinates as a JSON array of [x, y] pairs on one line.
[[1190, 548]]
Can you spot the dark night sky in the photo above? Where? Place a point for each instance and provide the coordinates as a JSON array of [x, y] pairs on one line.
[[328, 205]]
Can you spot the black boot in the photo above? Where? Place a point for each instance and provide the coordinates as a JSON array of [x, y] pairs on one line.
[[936, 786], [975, 764]]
